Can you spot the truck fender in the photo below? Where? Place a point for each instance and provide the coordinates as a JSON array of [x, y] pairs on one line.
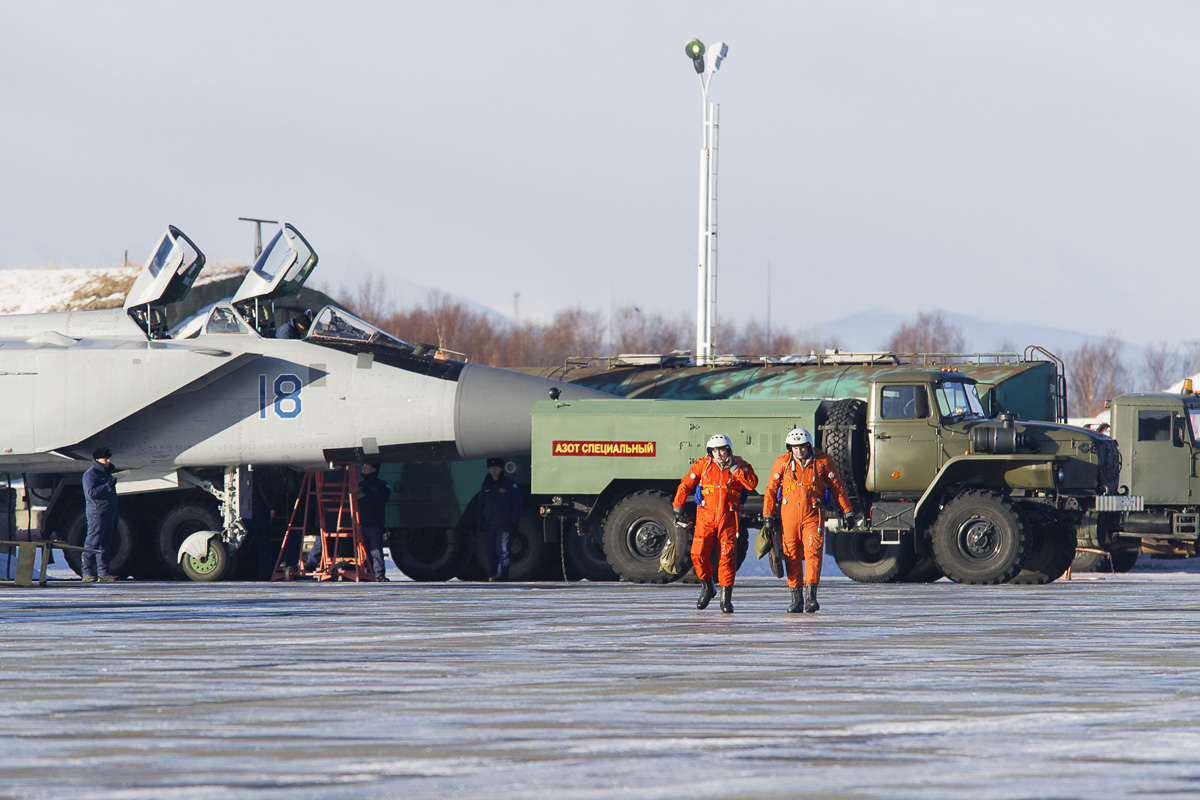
[[971, 469], [196, 545]]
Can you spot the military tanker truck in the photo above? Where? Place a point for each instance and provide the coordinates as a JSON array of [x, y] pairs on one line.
[[431, 517], [941, 487]]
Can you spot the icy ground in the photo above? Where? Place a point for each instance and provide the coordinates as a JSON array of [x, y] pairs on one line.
[[156, 690]]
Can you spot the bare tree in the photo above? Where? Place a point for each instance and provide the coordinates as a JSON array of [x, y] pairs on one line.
[[930, 333], [635, 331], [1189, 359], [1160, 368], [1095, 375]]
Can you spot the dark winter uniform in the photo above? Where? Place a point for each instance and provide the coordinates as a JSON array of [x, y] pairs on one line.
[[373, 495], [498, 514], [100, 497]]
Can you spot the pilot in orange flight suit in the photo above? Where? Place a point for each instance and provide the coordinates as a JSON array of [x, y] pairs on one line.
[[723, 480], [800, 478]]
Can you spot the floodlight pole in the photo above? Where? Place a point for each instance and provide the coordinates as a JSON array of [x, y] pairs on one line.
[[706, 235], [258, 223]]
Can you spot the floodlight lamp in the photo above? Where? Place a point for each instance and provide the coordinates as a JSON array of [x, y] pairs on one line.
[[715, 55], [695, 51]]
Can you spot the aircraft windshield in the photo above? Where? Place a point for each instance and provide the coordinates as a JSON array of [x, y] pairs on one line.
[[334, 323], [958, 399], [161, 255]]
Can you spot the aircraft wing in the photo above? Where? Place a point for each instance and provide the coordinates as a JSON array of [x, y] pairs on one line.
[[58, 391]]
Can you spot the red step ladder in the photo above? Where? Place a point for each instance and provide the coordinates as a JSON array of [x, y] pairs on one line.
[[327, 502]]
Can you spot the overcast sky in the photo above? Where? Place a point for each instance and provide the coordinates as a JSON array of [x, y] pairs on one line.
[[1033, 161]]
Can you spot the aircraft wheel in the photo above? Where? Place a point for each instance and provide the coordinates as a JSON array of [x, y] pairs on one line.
[[210, 567], [979, 538], [120, 549], [635, 532], [430, 554], [175, 526]]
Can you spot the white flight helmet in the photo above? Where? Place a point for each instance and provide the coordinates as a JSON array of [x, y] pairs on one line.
[[798, 436], [719, 440]]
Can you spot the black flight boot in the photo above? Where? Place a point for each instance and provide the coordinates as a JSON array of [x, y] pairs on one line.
[[707, 592], [727, 599], [810, 598], [797, 601]]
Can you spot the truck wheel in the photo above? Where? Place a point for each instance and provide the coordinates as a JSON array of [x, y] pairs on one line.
[[120, 549], [210, 567], [924, 570], [528, 554], [431, 554], [1053, 551], [175, 526], [980, 538], [585, 557], [1123, 560], [635, 532], [862, 557]]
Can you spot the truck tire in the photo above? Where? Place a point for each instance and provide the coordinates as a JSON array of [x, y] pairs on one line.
[[585, 557], [1053, 551], [175, 526], [431, 554], [862, 557], [1122, 561], [924, 570], [528, 554], [216, 562], [120, 549], [979, 538], [635, 532]]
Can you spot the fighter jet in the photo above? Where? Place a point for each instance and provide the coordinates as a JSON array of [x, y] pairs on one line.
[[228, 394]]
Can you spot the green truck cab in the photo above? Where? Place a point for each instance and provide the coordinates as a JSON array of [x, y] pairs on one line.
[[944, 488], [1157, 435], [949, 491]]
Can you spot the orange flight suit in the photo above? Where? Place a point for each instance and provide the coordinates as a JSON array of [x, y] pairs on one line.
[[717, 512], [802, 510]]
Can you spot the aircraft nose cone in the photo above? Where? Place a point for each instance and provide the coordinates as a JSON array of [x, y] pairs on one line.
[[492, 407]]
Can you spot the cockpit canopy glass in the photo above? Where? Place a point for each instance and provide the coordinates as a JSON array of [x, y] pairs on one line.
[[958, 399], [335, 323]]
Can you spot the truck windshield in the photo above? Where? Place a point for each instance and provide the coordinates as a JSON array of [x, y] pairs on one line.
[[1194, 420], [956, 399]]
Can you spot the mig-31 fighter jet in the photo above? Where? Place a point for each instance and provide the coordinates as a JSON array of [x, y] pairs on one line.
[[183, 415]]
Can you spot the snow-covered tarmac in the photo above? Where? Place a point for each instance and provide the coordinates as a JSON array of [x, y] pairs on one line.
[[170, 690]]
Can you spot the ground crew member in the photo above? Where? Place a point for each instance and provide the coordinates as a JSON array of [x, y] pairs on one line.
[[723, 480], [498, 514], [798, 484], [100, 509], [372, 495]]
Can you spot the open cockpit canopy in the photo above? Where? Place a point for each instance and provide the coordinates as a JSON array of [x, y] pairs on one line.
[[166, 278]]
